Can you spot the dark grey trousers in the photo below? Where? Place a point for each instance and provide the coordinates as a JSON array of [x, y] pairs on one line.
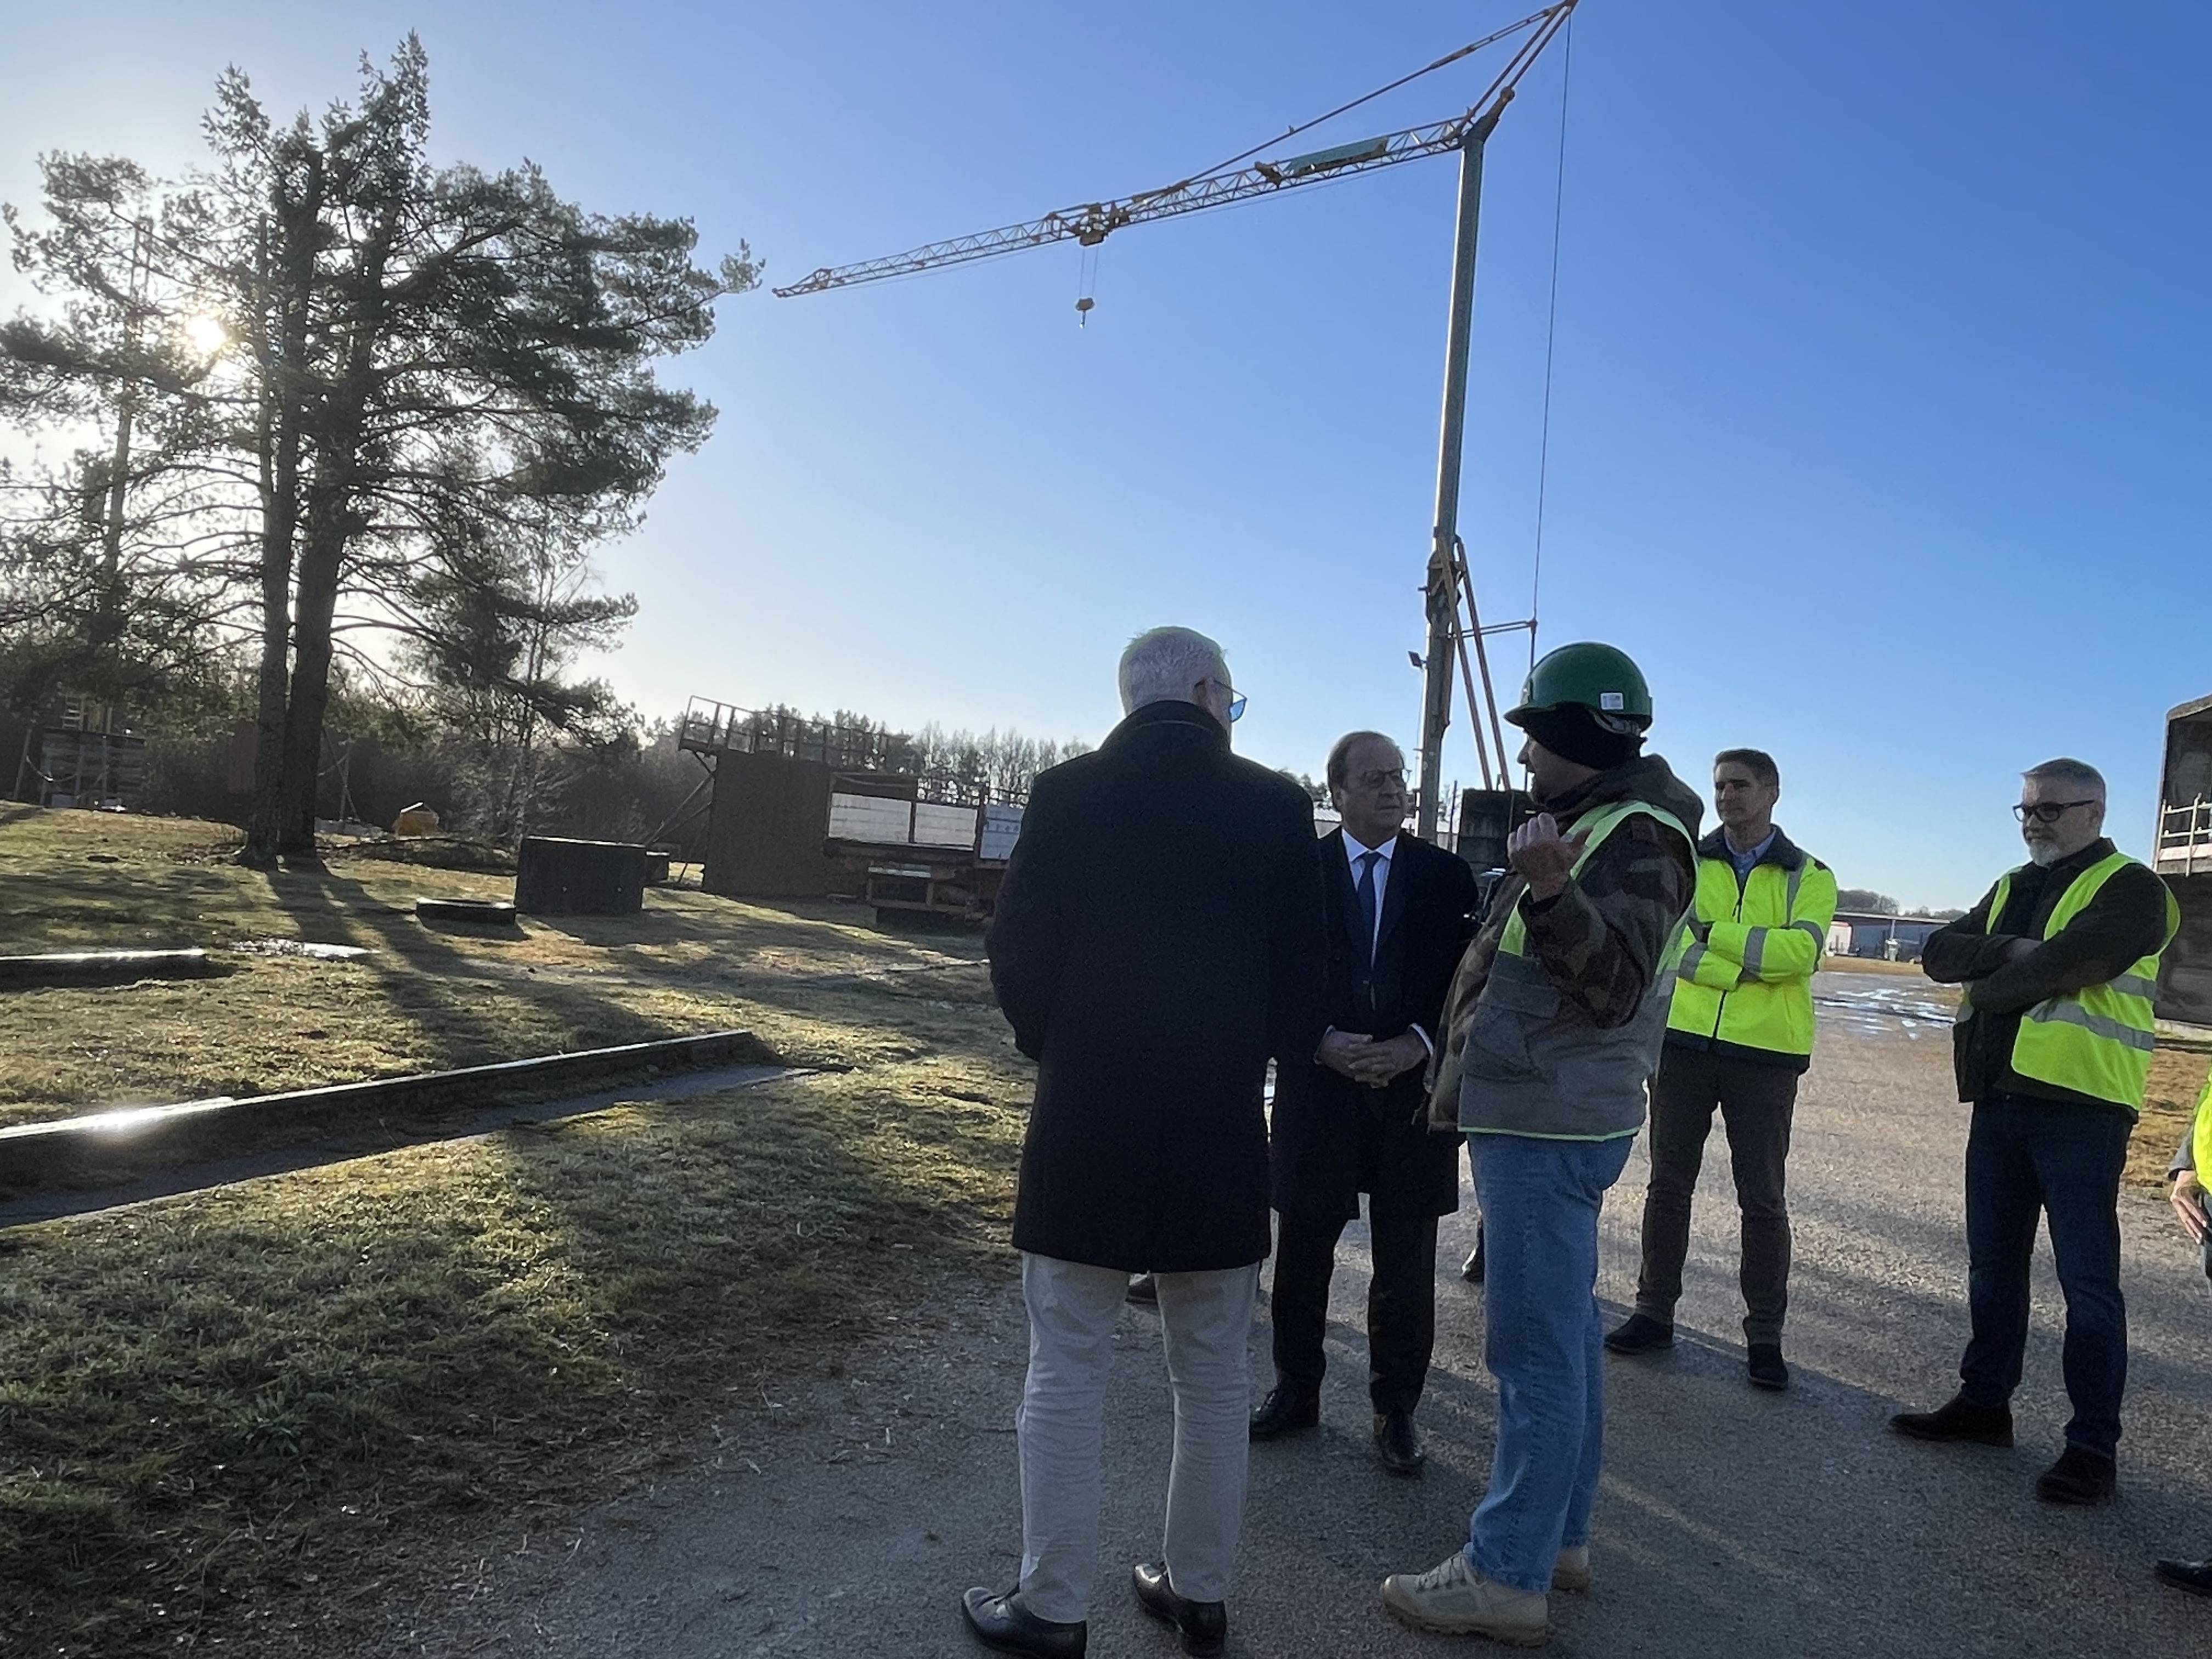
[[1755, 1103]]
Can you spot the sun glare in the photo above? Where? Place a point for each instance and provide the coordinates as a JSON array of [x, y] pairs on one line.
[[207, 335]]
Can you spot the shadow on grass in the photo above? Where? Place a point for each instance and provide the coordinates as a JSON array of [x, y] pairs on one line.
[[212, 1405]]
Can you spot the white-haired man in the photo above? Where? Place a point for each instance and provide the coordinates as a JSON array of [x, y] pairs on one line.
[[1157, 940], [2052, 1047]]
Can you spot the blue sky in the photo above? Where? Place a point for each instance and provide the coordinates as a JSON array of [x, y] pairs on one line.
[[1880, 429]]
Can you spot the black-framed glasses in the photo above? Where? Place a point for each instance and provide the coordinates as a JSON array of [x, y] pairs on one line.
[[2048, 812], [1236, 701], [1390, 778]]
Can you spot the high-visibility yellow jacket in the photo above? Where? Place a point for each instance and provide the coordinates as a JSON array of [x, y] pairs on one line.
[[1746, 987], [2200, 1136], [2097, 1041]]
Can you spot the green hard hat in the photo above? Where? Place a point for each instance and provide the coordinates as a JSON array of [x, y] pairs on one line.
[[1601, 677]]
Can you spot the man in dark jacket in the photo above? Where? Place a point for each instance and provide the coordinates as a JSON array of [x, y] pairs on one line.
[[2052, 1046], [1157, 940], [1353, 1118]]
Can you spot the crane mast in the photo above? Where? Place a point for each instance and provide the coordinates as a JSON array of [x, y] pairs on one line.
[[1243, 180]]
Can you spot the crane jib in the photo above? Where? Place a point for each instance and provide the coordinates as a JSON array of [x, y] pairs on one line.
[[1091, 223]]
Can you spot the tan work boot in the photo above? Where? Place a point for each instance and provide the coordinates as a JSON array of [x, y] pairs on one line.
[[1571, 1570], [1454, 1598]]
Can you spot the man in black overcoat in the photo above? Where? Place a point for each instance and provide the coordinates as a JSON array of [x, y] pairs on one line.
[[1353, 1118], [1158, 940]]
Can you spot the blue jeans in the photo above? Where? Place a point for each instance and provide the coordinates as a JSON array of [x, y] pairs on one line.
[[2024, 1157], [1539, 1206]]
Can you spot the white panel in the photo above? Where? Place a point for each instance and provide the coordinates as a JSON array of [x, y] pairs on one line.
[[869, 818], [943, 826], [1002, 828]]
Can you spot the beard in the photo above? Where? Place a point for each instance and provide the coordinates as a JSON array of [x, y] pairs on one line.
[[2043, 854]]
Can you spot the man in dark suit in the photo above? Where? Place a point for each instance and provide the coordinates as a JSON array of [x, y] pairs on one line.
[[1353, 1118], [1157, 940]]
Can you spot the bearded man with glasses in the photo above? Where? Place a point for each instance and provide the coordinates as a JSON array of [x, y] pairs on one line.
[[2052, 1047]]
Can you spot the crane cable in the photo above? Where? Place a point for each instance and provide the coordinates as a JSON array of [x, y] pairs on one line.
[[1551, 337], [1449, 58]]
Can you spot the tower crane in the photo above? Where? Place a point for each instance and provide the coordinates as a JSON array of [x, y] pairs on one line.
[[1251, 176]]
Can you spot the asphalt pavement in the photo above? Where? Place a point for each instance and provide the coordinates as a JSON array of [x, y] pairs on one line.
[[841, 1515]]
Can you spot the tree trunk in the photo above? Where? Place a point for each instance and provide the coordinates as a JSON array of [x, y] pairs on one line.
[[331, 523], [285, 277], [321, 559]]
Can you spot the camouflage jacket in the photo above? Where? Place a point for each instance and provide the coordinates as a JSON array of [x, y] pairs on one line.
[[1599, 942]]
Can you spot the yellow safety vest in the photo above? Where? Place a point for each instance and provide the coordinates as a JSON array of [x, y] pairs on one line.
[[1751, 983], [1592, 834], [2097, 1041], [2201, 1141], [1529, 1069]]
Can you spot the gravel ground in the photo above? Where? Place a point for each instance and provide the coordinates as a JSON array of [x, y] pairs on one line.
[[841, 1515]]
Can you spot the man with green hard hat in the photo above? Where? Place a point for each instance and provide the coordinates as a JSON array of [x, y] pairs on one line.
[[1552, 1028]]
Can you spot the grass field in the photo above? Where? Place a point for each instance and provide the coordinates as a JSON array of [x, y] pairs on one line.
[[423, 999], [247, 1418]]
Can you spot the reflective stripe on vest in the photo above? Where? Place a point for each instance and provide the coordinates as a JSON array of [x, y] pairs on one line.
[[2097, 1041], [1592, 834], [1733, 1004], [2201, 1142]]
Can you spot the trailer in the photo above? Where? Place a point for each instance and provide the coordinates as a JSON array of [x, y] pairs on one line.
[[2182, 852]]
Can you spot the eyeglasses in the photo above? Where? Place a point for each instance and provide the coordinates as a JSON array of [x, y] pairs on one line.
[[1235, 702], [1394, 778], [2048, 812]]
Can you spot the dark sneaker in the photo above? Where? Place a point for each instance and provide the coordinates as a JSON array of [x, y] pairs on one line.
[[1640, 1333], [1982, 1426], [2195, 1576], [1765, 1366], [2079, 1477]]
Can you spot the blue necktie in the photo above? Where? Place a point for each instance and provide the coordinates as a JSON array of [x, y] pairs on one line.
[[1367, 863]]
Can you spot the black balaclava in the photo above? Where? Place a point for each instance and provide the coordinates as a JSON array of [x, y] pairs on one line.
[[1572, 732]]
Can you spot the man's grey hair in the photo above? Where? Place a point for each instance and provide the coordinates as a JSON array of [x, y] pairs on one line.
[[1339, 754], [2074, 775], [1163, 664]]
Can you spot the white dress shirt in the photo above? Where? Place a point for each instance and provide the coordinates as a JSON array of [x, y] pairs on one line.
[[1354, 852]]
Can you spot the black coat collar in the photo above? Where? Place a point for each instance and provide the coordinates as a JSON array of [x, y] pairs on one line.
[[1169, 712]]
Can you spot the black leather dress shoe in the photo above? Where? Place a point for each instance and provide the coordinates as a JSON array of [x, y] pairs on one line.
[[1204, 1625], [1288, 1408], [2195, 1576], [1144, 1290], [1002, 1624], [1396, 1444], [1476, 1267], [2079, 1477], [1954, 1420]]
